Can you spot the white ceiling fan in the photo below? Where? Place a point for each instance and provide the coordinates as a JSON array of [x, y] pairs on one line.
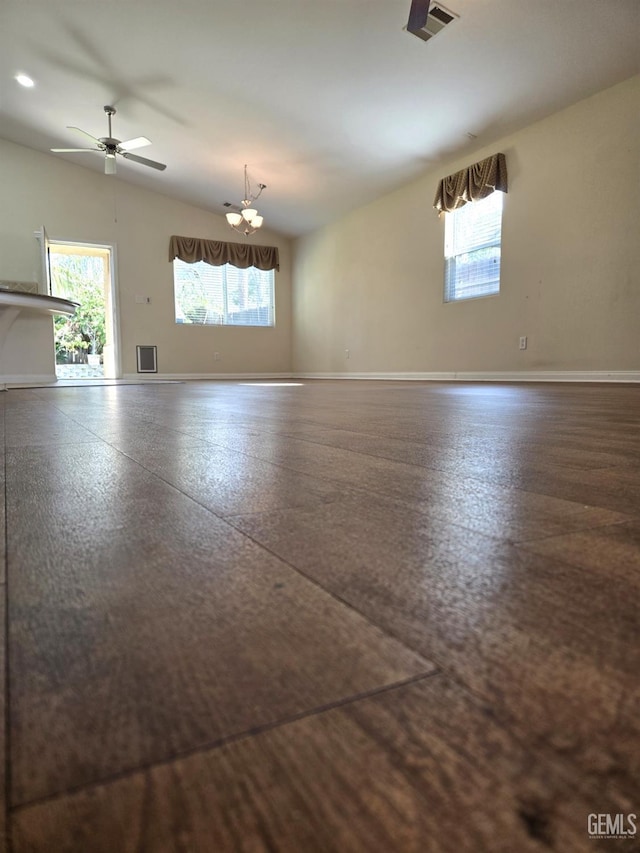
[[110, 147]]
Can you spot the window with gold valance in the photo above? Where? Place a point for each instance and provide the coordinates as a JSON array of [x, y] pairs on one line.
[[223, 284], [473, 232]]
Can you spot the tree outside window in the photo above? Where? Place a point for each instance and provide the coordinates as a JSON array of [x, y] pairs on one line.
[[81, 279]]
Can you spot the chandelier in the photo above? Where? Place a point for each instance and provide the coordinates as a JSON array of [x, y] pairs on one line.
[[247, 220]]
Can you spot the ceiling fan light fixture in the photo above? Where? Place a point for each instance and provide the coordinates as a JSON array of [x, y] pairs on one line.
[[110, 164]]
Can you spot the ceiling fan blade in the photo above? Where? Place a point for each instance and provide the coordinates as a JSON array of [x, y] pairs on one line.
[[84, 133], [143, 160], [138, 142], [69, 150], [418, 15]]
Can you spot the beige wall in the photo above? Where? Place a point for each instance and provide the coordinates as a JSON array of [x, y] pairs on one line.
[[77, 204], [372, 282], [27, 350]]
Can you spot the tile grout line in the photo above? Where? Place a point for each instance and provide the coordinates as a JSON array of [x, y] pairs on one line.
[[440, 667], [522, 543], [343, 601], [219, 743]]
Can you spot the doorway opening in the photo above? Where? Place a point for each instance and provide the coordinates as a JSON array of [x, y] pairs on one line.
[[86, 343]]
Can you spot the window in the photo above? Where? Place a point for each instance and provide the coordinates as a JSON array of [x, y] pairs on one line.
[[223, 296], [472, 249]]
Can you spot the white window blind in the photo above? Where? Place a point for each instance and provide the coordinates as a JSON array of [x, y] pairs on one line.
[[223, 296], [472, 249]]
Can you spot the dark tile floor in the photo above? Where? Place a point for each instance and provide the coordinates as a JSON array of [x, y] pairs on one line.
[[356, 616]]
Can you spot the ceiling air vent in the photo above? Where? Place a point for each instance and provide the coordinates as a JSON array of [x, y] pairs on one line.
[[437, 19]]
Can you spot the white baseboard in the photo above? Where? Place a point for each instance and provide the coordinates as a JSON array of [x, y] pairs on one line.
[[25, 380], [491, 376], [18, 381], [184, 377]]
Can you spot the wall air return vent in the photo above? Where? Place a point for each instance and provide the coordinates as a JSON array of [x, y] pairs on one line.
[[147, 359], [438, 18]]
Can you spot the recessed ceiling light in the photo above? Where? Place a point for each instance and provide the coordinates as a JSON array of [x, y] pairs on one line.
[[25, 81]]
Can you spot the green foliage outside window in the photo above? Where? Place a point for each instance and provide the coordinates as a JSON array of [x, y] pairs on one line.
[[223, 295], [81, 279]]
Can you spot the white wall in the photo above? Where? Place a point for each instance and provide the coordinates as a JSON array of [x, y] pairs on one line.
[[373, 281], [77, 204]]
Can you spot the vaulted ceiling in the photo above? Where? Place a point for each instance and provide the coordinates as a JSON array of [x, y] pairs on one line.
[[329, 102]]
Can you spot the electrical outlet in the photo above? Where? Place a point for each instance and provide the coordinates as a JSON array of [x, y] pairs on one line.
[[523, 342], [216, 356]]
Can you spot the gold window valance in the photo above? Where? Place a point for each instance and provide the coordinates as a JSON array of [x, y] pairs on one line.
[[217, 253], [472, 184]]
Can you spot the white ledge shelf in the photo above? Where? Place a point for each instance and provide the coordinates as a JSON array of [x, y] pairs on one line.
[[36, 302], [15, 303]]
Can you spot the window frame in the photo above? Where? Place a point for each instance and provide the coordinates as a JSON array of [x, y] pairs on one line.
[[224, 313], [450, 290]]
